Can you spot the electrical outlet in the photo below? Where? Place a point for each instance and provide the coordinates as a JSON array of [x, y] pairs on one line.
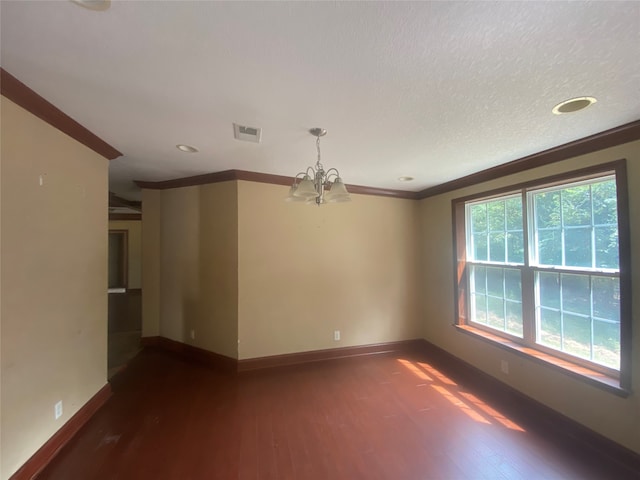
[[58, 410], [193, 334], [336, 335], [504, 366]]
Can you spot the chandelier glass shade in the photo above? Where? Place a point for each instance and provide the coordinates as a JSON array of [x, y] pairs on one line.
[[317, 186]]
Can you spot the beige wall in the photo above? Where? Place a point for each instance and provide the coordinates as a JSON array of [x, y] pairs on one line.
[[257, 276], [134, 249], [53, 280], [179, 255], [190, 251], [305, 271], [614, 417], [217, 327]]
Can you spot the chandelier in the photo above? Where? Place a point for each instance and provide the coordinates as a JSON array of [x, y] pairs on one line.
[[317, 185]]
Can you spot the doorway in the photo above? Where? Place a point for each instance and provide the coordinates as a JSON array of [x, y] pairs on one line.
[[125, 303]]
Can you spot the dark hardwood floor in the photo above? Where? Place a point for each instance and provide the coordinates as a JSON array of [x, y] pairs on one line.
[[391, 416]]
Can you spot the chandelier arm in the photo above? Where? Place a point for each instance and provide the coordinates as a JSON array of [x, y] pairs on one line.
[[332, 171], [298, 175]]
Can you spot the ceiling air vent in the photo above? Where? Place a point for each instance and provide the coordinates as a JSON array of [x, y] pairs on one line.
[[247, 134]]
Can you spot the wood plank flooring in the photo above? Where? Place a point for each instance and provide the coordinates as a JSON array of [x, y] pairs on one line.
[[391, 416]]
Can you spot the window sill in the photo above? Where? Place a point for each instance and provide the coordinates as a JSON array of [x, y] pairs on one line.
[[592, 377]]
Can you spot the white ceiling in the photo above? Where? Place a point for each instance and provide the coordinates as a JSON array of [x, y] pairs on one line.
[[434, 90]]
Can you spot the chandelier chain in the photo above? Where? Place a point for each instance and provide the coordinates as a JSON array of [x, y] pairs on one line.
[[318, 163]]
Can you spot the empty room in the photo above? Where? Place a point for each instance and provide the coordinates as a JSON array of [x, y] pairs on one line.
[[319, 240]]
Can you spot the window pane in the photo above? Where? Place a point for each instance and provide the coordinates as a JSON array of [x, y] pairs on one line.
[[575, 294], [514, 213], [606, 247], [577, 247], [577, 335], [480, 309], [513, 285], [496, 247], [550, 247], [488, 223], [494, 282], [495, 215], [605, 203], [606, 298], [478, 218], [495, 315], [549, 330], [606, 343], [515, 247], [549, 285], [547, 206], [586, 220], [480, 247], [584, 320], [514, 318], [479, 275], [503, 307], [576, 205]]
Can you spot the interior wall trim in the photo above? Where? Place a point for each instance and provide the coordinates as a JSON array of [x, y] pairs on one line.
[[328, 354], [599, 141], [19, 93], [229, 175], [52, 447], [525, 409], [221, 362]]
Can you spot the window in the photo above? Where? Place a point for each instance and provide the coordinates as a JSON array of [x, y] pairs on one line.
[[545, 266]]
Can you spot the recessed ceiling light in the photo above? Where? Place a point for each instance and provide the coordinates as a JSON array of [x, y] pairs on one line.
[[98, 5], [573, 105], [405, 179], [187, 148]]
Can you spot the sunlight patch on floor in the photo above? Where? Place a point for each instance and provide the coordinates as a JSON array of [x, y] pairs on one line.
[[415, 370], [460, 404], [476, 409], [492, 412], [443, 378]]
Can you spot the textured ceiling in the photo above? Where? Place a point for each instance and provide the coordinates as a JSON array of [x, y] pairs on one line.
[[434, 90]]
